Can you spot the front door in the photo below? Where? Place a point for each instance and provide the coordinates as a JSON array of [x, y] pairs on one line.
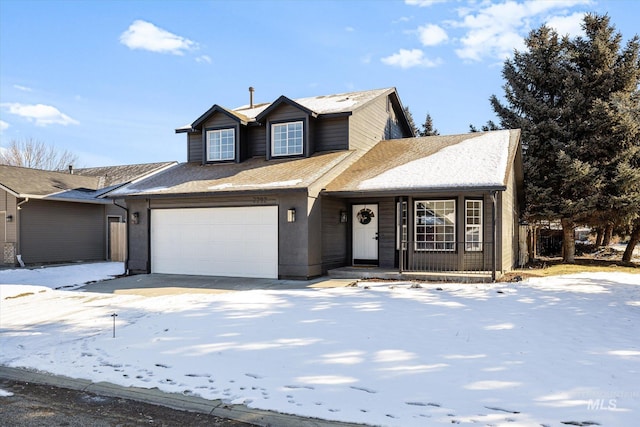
[[365, 234]]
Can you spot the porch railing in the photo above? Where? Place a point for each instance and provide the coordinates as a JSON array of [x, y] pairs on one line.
[[447, 257]]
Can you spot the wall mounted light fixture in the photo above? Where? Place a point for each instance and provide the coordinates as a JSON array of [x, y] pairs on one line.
[[343, 216], [135, 218], [291, 215], [9, 218]]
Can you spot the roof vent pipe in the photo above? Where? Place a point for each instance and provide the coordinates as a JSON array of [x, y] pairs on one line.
[[251, 89]]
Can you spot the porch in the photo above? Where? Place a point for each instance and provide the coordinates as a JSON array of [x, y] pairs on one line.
[[368, 272]]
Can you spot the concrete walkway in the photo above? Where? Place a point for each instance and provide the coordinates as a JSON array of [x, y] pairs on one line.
[[168, 284], [172, 400]]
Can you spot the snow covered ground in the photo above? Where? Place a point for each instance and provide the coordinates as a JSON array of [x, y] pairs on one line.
[[540, 352]]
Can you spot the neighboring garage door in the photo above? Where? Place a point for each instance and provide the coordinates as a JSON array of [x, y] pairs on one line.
[[238, 242]]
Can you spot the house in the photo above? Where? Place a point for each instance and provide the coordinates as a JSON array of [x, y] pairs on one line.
[[298, 187], [51, 217]]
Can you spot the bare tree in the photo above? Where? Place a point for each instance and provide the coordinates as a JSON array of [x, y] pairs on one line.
[[31, 153]]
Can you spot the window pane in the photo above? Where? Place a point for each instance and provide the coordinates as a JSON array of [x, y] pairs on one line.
[[221, 144], [287, 138], [473, 225], [435, 225]]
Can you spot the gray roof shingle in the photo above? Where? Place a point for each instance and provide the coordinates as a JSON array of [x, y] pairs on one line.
[[255, 174]]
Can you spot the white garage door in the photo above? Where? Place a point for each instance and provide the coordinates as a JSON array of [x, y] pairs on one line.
[[239, 242]]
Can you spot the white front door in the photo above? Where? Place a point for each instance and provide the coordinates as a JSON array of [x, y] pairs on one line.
[[365, 234]]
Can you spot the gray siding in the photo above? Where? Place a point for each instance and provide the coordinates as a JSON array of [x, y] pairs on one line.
[[508, 237], [138, 236], [334, 234], [295, 260], [62, 231], [286, 112], [386, 233], [8, 205], [332, 134], [195, 147], [257, 136], [374, 122], [8, 230]]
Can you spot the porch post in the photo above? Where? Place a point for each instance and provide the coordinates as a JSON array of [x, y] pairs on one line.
[[401, 236], [494, 200]]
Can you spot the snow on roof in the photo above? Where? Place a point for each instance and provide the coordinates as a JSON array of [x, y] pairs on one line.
[[479, 161], [324, 104]]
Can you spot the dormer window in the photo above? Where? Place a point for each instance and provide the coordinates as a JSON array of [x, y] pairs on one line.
[[221, 144], [287, 139]]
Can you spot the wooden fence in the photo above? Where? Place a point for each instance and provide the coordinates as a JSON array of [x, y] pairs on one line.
[[118, 241]]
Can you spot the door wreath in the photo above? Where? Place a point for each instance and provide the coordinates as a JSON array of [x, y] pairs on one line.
[[365, 215]]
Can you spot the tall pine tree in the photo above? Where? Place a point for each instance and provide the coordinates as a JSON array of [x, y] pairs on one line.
[[609, 130], [576, 101]]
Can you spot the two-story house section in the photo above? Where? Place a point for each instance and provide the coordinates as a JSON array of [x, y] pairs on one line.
[[297, 187], [247, 201]]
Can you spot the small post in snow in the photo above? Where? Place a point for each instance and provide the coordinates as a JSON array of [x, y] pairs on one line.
[[114, 315]]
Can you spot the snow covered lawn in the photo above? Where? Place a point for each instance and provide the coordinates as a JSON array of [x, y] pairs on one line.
[[540, 352]]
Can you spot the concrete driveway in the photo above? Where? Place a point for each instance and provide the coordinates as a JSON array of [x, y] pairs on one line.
[[170, 284]]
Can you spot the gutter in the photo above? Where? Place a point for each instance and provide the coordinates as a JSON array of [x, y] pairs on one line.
[[418, 190]]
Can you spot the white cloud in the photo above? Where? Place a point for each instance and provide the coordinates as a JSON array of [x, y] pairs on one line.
[[204, 58], [495, 30], [432, 35], [402, 19], [349, 29], [146, 36], [423, 3], [3, 125], [23, 88], [40, 114], [571, 24], [410, 58]]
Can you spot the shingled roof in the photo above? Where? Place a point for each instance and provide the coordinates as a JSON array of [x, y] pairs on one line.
[[341, 103], [85, 185], [467, 161], [255, 174]]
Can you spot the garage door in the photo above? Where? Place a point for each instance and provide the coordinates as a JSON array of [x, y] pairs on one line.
[[239, 241]]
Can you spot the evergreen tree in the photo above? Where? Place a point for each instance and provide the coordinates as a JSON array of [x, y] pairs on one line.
[[427, 127], [576, 102], [607, 95], [412, 123], [489, 126]]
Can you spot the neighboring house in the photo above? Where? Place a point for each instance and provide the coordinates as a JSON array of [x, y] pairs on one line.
[[295, 188], [51, 217]]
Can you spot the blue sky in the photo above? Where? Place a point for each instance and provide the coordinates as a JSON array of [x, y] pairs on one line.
[[111, 80]]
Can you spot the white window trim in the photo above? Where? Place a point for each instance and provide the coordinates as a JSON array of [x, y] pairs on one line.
[[210, 158], [416, 225], [473, 246], [273, 126]]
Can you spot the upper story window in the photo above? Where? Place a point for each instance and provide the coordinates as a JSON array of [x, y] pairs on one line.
[[286, 139], [221, 144]]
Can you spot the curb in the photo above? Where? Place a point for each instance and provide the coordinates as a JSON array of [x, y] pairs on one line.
[[177, 401]]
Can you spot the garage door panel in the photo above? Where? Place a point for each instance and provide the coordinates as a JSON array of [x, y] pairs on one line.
[[241, 241]]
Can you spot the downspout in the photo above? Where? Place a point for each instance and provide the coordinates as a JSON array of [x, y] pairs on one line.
[[126, 260], [148, 236], [18, 225], [22, 203], [494, 255]]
